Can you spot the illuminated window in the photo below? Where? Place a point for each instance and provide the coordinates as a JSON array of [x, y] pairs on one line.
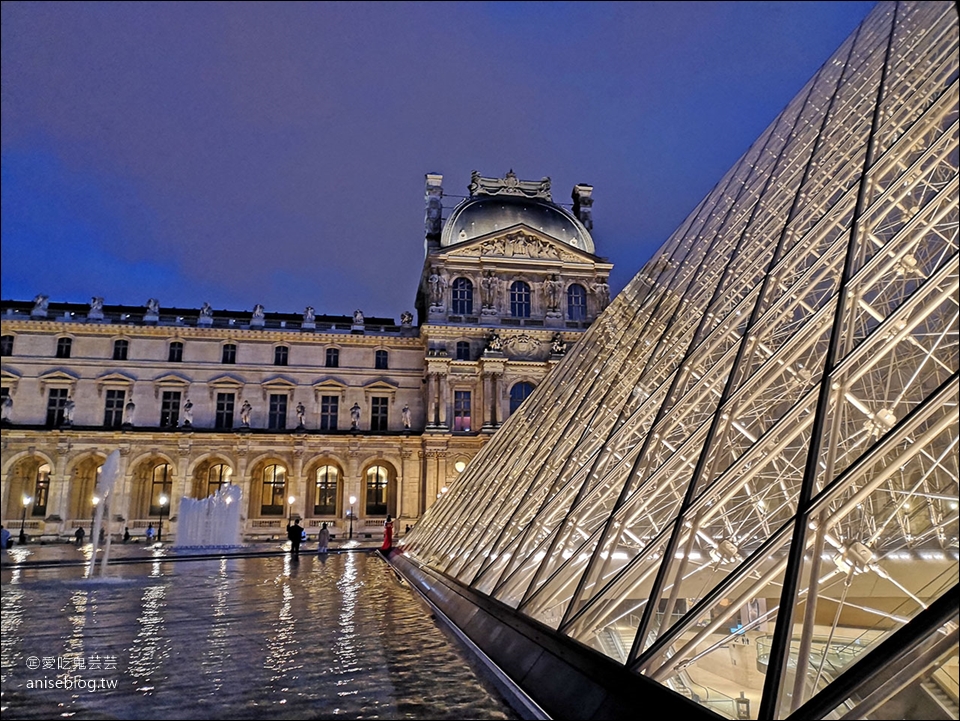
[[217, 477], [461, 410], [274, 487], [377, 479], [41, 490], [160, 484], [325, 499]]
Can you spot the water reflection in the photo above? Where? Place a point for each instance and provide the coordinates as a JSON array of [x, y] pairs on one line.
[[239, 638]]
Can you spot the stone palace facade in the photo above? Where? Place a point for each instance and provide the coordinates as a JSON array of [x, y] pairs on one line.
[[336, 419]]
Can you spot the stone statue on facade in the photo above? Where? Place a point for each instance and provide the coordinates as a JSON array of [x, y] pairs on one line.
[[308, 314], [187, 414], [358, 317], [301, 414], [258, 312], [129, 413], [6, 409], [40, 304], [68, 409], [438, 286], [355, 416], [602, 290], [245, 410], [405, 413], [494, 344], [551, 291], [206, 311], [96, 307], [406, 318], [558, 345], [489, 291], [153, 306]]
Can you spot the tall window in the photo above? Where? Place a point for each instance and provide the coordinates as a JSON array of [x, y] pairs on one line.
[[280, 355], [277, 419], [274, 487], [333, 357], [325, 501], [170, 409], [462, 296], [463, 350], [520, 300], [218, 476], [229, 354], [113, 409], [461, 410], [56, 402], [380, 360], [329, 407], [518, 394], [64, 345], [378, 413], [576, 302], [176, 352], [42, 490], [160, 485], [6, 345], [377, 478], [224, 416], [120, 348]]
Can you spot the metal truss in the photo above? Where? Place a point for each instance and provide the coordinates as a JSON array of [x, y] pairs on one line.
[[758, 441]]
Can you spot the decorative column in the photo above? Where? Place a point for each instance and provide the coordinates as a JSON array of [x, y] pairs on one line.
[[431, 400], [60, 487], [297, 487], [492, 370]]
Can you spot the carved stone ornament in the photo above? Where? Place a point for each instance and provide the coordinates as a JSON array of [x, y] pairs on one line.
[[521, 345], [517, 245], [509, 185]]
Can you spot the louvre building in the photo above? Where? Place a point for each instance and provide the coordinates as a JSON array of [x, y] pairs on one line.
[[743, 487]]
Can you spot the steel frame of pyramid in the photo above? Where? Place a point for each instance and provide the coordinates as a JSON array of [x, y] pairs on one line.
[[765, 418]]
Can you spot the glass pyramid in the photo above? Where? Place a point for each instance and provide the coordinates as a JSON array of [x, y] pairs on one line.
[[745, 476]]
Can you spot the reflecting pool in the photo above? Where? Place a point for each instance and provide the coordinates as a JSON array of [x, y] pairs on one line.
[[234, 637]]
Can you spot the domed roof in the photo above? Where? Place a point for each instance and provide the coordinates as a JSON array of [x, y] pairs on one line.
[[482, 215]]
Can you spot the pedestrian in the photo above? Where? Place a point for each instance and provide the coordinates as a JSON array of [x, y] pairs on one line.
[[78, 536], [150, 533], [323, 539], [102, 536], [5, 537], [126, 534], [295, 534], [387, 535]]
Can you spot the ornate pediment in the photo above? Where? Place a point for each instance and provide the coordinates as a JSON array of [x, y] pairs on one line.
[[518, 242], [114, 379], [329, 386], [509, 185], [381, 387], [521, 345]]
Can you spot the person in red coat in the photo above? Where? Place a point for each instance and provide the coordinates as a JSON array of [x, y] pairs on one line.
[[387, 535]]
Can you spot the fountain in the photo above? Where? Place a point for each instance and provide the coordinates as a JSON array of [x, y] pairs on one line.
[[109, 473], [213, 522]]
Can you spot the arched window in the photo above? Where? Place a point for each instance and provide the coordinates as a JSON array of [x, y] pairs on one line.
[[218, 476], [325, 500], [377, 479], [518, 394], [160, 484], [520, 300], [42, 490], [274, 490], [462, 296], [576, 302]]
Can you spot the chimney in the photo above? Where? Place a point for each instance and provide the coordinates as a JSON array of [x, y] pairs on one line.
[[583, 204], [433, 194]]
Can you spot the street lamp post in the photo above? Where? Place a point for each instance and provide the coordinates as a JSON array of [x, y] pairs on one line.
[[290, 500], [353, 499], [163, 504], [93, 518], [23, 520]]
